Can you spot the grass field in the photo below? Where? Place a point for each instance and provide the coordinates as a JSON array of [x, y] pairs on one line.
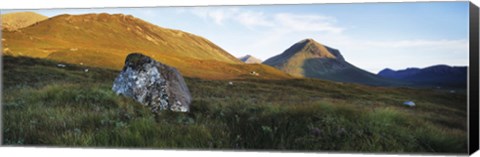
[[45, 105]]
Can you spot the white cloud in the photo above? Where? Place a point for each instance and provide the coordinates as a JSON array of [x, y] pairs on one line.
[[251, 19], [217, 15], [296, 22]]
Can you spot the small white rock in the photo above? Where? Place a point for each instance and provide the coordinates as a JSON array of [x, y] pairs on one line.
[[409, 103]]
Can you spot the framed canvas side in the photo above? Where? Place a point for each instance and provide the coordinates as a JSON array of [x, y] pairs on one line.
[[474, 79]]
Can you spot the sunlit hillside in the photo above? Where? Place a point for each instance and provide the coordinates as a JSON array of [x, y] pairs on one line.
[[104, 40], [18, 20]]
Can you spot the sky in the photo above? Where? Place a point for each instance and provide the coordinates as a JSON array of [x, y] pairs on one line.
[[371, 36]]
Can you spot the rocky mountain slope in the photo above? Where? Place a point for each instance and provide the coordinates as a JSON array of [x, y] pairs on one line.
[[309, 58]]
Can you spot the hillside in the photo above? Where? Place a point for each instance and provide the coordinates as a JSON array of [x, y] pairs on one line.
[[437, 75], [18, 20], [104, 40], [73, 108], [309, 58], [250, 59]]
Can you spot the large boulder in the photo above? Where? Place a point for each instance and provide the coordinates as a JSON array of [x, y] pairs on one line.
[[153, 84]]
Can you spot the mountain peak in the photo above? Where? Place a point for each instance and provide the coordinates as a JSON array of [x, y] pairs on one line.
[[249, 59], [317, 49], [247, 56], [307, 40], [306, 49], [386, 70], [95, 17], [18, 20], [308, 58], [311, 48]]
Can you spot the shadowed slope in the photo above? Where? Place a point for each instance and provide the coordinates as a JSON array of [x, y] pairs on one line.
[[437, 75], [309, 58]]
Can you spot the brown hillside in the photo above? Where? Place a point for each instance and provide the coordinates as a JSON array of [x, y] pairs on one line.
[[104, 40], [18, 20]]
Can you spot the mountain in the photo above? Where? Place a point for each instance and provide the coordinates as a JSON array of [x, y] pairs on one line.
[[17, 20], [104, 40], [250, 59], [308, 58], [104, 32], [400, 74], [437, 75]]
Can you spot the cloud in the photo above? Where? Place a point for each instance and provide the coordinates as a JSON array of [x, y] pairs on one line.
[[251, 19], [307, 22], [218, 16]]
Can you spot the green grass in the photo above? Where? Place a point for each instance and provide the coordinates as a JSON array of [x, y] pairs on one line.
[[50, 106]]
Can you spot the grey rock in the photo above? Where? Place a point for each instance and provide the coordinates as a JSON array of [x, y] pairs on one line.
[[409, 103], [153, 84], [61, 65]]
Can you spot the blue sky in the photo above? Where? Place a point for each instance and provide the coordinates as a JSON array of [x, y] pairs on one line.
[[372, 36]]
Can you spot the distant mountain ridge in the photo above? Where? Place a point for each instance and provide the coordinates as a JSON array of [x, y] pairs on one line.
[[308, 58], [437, 75], [250, 59], [18, 20]]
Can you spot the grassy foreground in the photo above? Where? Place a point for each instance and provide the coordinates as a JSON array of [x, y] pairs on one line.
[[51, 106]]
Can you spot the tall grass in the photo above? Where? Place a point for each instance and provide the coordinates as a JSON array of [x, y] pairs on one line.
[[79, 109]]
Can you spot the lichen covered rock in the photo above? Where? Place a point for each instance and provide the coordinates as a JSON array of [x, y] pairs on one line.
[[152, 84]]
